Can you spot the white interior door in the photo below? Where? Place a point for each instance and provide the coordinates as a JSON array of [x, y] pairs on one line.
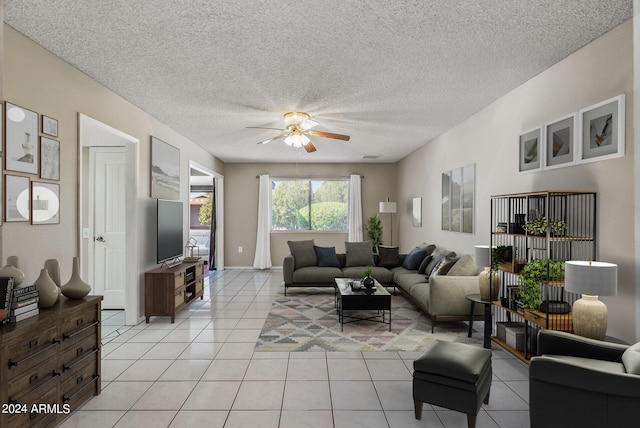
[[109, 221]]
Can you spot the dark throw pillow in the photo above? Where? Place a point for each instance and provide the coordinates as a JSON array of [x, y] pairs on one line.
[[445, 265], [327, 256], [388, 256], [303, 253], [423, 266], [433, 264], [414, 258], [359, 254]]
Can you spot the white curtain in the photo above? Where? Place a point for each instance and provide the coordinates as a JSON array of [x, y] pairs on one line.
[[355, 208], [262, 259]]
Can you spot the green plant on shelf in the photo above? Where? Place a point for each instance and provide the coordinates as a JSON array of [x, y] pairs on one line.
[[539, 225], [534, 273]]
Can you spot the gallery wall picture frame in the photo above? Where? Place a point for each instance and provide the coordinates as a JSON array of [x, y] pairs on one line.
[[602, 130], [165, 170], [417, 212], [21, 153], [531, 146], [49, 126], [561, 139], [17, 198], [458, 199], [45, 203], [49, 159]]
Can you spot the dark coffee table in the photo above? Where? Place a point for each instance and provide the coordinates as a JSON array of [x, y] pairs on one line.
[[378, 299]]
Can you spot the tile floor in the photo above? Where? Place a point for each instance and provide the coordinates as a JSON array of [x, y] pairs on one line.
[[202, 372]]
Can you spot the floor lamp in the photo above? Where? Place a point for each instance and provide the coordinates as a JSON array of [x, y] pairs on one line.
[[388, 208]]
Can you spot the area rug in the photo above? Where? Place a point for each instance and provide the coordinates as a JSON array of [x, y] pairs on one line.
[[309, 322]]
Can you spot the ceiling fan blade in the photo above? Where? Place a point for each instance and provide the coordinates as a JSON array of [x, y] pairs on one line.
[[279, 137], [329, 135], [309, 147], [262, 127]]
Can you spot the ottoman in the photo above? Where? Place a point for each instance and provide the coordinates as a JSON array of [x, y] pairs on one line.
[[452, 375]]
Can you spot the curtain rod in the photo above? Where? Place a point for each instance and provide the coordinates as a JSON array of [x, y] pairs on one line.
[[324, 177]]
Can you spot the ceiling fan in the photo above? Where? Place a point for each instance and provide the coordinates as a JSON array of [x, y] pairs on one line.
[[297, 128]]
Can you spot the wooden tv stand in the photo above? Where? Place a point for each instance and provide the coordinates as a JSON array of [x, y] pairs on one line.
[[168, 290]]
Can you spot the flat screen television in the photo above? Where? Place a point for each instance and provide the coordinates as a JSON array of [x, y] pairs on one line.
[[170, 226]]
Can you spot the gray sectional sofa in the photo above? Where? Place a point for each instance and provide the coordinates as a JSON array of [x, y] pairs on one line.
[[439, 293]]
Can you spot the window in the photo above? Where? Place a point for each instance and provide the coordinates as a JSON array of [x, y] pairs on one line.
[[309, 204]]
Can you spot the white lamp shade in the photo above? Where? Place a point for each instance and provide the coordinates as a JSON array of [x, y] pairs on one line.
[[483, 255], [387, 207], [591, 278]]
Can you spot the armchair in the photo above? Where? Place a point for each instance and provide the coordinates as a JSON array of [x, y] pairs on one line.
[[582, 382]]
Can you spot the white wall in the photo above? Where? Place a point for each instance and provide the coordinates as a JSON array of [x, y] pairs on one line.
[[489, 139]]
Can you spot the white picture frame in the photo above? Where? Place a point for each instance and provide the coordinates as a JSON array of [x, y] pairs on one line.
[[21, 142], [531, 150], [602, 130], [561, 140]]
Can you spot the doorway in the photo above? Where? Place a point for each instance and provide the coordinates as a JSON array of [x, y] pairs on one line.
[[122, 279]]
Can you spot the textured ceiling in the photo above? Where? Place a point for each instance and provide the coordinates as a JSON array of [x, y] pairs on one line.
[[391, 74]]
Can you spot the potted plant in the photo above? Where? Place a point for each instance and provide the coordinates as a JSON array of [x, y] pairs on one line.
[[533, 273], [539, 225], [374, 231], [368, 282]]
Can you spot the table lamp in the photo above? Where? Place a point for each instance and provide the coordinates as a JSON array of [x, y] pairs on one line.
[[489, 283], [591, 279]]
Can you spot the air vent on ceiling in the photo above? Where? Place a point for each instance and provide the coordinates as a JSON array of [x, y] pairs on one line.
[[370, 157]]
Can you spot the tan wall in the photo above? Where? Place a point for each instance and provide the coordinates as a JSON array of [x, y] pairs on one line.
[[40, 81], [489, 139], [241, 205]]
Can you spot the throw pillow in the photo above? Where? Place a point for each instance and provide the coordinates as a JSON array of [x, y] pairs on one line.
[[423, 266], [437, 258], [359, 254], [303, 253], [414, 258], [327, 256], [466, 266], [388, 256], [445, 265], [429, 248], [631, 359]]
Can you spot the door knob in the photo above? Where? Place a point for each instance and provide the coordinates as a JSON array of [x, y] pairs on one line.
[[100, 239]]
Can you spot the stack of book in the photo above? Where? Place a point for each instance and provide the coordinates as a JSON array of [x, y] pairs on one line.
[[24, 303]]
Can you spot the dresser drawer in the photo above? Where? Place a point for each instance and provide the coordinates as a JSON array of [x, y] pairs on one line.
[[199, 269], [81, 376], [79, 321], [31, 349], [179, 299], [178, 279], [33, 378], [71, 353], [44, 395]]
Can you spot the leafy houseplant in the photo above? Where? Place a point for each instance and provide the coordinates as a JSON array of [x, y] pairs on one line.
[[539, 225], [368, 281], [533, 273], [374, 231]]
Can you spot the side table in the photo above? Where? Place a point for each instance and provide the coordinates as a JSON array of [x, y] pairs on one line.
[[475, 298]]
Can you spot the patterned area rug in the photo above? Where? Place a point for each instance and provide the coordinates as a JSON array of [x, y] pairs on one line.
[[308, 322]]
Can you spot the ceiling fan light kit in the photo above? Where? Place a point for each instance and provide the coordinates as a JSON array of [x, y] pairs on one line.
[[297, 127]]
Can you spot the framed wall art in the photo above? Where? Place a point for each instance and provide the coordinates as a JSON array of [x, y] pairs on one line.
[[16, 198], [165, 170], [417, 212], [45, 203], [458, 195], [531, 146], [49, 126], [602, 134], [561, 137], [49, 159], [21, 139]]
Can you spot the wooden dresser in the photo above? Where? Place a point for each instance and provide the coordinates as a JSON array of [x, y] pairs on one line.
[[168, 290], [50, 363]]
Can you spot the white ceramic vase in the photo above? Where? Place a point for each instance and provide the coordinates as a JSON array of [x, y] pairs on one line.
[[53, 267], [12, 270], [76, 288], [48, 291]]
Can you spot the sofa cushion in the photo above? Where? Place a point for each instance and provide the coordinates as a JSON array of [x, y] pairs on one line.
[[388, 256], [327, 256], [316, 275], [445, 265], [381, 274], [405, 282], [466, 266], [303, 253], [631, 359], [359, 254], [424, 264], [414, 258]]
